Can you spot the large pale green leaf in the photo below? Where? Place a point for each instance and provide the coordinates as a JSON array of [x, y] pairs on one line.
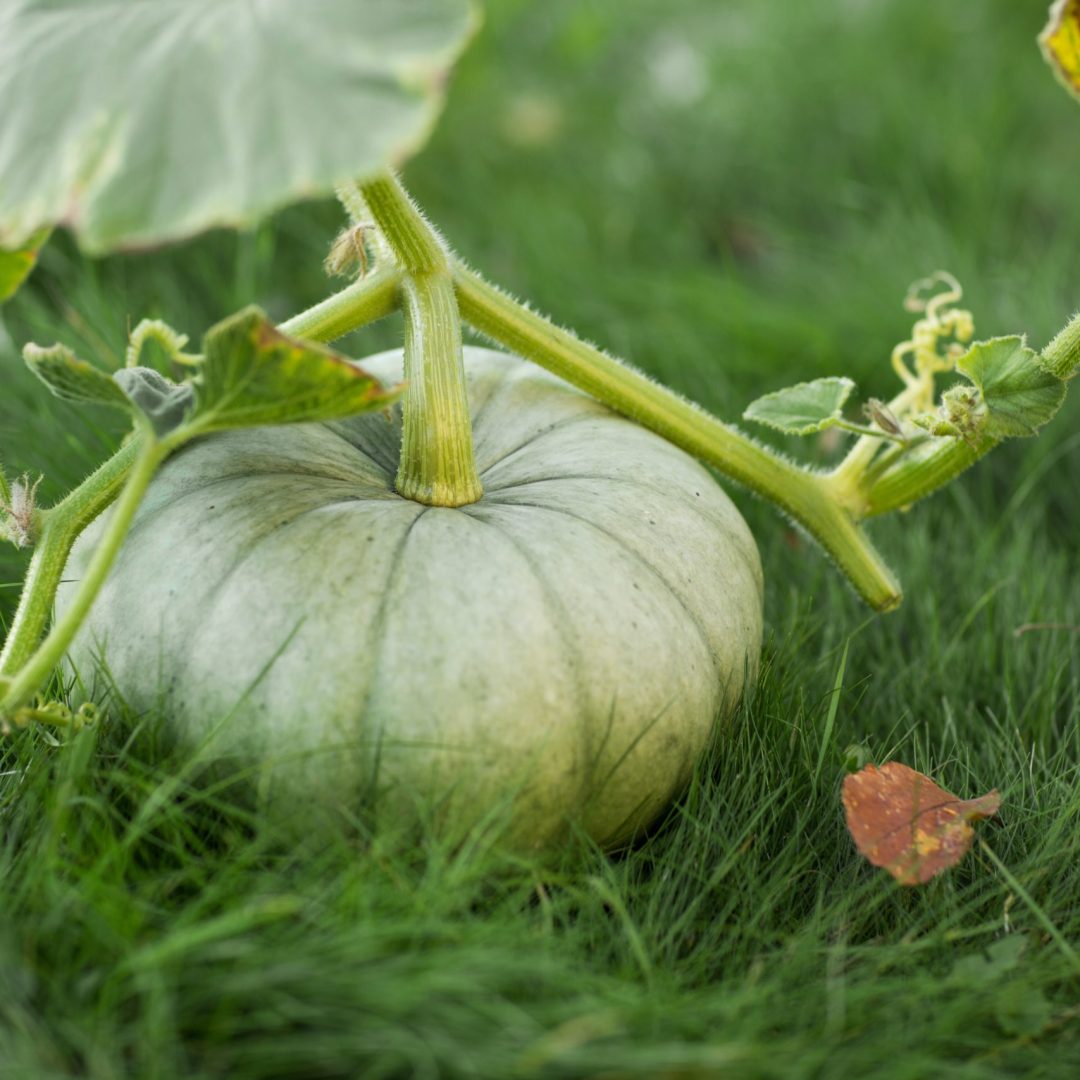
[[1020, 393], [253, 374], [802, 409], [139, 121]]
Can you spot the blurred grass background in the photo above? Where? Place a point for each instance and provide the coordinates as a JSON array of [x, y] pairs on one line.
[[732, 195]]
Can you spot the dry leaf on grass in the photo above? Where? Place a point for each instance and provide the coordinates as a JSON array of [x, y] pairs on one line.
[[902, 821]]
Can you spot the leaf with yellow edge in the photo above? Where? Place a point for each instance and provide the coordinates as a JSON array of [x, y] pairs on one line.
[[1060, 43], [252, 374], [16, 263]]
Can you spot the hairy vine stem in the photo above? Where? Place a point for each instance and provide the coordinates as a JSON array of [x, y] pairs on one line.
[[800, 493], [366, 301], [830, 506], [435, 291], [26, 665], [60, 528]]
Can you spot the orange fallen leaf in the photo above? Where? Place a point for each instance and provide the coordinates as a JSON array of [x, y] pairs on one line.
[[902, 821], [1060, 42]]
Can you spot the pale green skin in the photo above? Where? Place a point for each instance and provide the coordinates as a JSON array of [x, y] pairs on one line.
[[558, 652]]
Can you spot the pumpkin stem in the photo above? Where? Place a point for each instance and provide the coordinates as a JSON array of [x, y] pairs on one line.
[[438, 466]]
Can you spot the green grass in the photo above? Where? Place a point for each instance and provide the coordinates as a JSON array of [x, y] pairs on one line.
[[764, 230]]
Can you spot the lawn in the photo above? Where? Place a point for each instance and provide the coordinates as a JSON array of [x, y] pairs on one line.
[[732, 196]]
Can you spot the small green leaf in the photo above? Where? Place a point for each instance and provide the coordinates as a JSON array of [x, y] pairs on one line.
[[138, 389], [16, 264], [253, 374], [803, 409], [1019, 1010], [72, 379], [1019, 392], [856, 757], [995, 962], [1022, 1012]]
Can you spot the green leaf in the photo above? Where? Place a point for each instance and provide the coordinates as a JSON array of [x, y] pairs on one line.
[[139, 389], [1020, 393], [253, 374], [1019, 1010], [72, 379], [135, 123], [995, 962], [803, 409], [16, 263], [1022, 1012]]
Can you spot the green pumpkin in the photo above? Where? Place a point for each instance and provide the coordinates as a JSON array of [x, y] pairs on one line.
[[558, 651]]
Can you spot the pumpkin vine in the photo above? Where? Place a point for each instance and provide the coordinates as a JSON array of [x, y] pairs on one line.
[[1013, 391]]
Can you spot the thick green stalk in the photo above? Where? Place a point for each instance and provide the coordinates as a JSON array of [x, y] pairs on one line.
[[366, 301], [918, 475], [60, 528], [417, 247], [802, 494], [438, 466], [28, 678]]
